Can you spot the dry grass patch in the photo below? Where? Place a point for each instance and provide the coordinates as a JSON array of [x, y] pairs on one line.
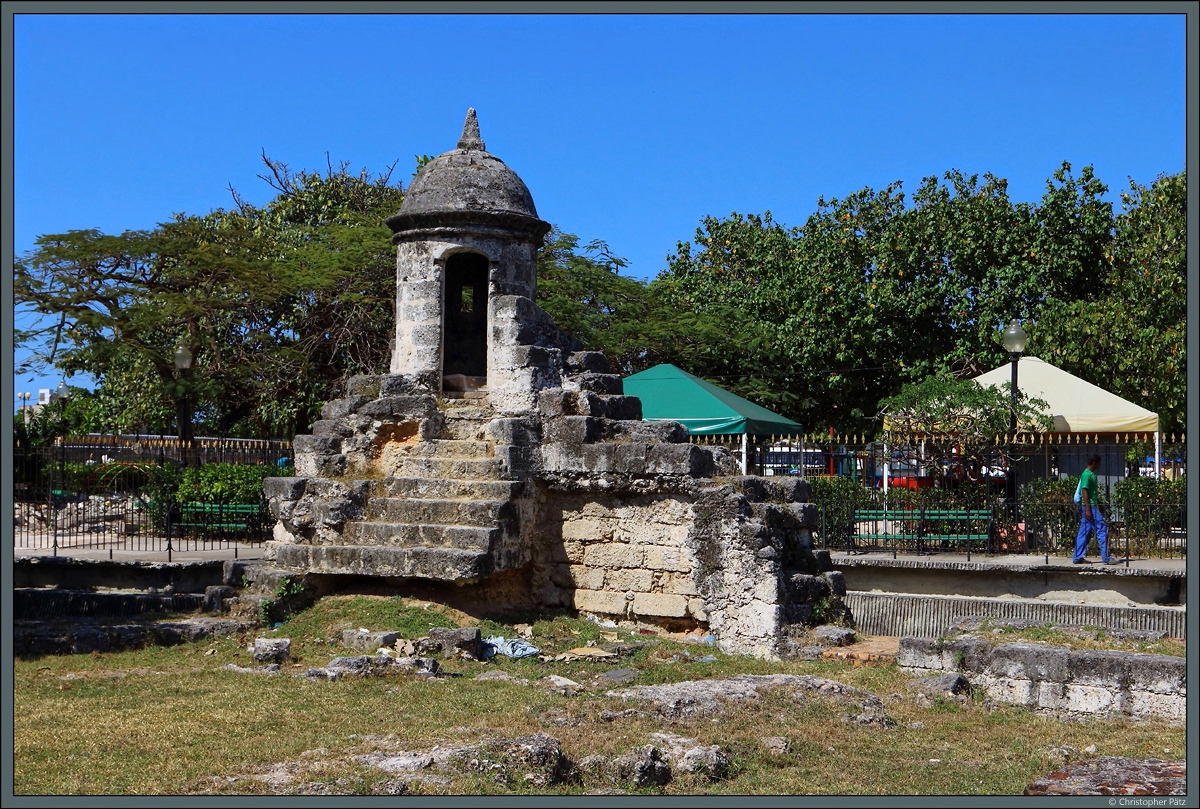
[[172, 721]]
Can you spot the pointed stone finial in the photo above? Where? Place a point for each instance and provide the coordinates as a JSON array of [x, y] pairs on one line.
[[470, 137]]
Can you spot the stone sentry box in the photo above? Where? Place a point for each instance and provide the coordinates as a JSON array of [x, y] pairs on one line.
[[500, 457], [466, 238]]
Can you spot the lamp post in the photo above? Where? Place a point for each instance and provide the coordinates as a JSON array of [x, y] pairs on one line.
[[183, 411], [25, 397], [61, 394], [1014, 343]]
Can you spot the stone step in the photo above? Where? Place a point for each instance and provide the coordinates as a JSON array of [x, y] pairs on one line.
[[448, 489], [454, 468], [485, 513], [415, 535], [467, 409], [439, 564], [465, 423], [451, 448]]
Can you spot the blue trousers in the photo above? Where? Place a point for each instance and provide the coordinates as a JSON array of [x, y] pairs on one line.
[[1086, 527]]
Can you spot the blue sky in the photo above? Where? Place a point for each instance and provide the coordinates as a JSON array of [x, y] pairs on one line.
[[629, 129]]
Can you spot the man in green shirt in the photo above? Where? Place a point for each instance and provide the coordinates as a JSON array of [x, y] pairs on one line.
[[1091, 519]]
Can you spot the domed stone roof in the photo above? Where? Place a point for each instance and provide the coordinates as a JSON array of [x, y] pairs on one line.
[[467, 185]]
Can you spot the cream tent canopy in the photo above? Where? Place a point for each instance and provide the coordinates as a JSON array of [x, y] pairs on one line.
[[1077, 406]]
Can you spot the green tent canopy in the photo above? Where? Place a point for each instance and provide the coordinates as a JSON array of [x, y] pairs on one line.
[[672, 394]]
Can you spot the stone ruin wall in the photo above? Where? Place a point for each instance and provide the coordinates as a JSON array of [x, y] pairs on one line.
[[610, 516], [550, 480]]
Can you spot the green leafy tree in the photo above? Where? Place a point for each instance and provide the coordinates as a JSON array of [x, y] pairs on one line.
[[276, 306], [326, 235], [1125, 330], [943, 422], [132, 300], [874, 292]]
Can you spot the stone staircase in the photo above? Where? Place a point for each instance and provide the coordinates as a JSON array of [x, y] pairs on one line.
[[445, 513]]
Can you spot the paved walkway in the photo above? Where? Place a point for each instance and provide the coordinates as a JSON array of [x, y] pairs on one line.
[[150, 551], [1161, 566], [153, 551]]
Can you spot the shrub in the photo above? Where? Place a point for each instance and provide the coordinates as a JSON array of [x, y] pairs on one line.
[[1149, 505], [223, 483]]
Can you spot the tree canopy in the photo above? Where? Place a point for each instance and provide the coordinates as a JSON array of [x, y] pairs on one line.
[[278, 304], [275, 305], [874, 292]]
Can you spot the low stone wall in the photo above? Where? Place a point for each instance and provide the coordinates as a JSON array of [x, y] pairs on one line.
[[627, 558], [1054, 678], [928, 616]]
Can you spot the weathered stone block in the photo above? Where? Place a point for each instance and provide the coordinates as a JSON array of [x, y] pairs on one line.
[[574, 430], [466, 642], [1157, 674], [535, 356], [613, 555], [940, 685], [806, 589], [966, 654], [623, 408], [587, 362], [1024, 661], [919, 653], [663, 605], [824, 560], [625, 579], [680, 584], [368, 642], [339, 408], [600, 601], [599, 457], [1098, 668], [284, 488], [659, 557], [1016, 692], [586, 528], [335, 427], [1051, 695], [587, 578], [215, 595], [678, 459], [404, 385], [403, 407], [271, 650], [837, 582], [794, 490], [317, 444], [609, 384], [630, 459], [1089, 698], [1153, 703]]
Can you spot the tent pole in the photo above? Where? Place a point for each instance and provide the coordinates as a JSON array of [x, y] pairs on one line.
[[803, 474], [1157, 454], [745, 450]]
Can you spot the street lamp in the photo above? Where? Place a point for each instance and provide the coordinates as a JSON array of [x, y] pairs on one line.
[[1014, 343], [61, 394], [25, 397], [183, 358], [183, 410]]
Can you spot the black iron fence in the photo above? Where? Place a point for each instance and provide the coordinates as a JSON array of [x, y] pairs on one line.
[[148, 495], [871, 524]]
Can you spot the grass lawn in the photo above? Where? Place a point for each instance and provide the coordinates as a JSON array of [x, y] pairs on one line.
[[173, 721]]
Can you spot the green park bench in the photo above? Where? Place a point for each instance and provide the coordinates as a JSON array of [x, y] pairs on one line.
[[920, 529], [218, 516]]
